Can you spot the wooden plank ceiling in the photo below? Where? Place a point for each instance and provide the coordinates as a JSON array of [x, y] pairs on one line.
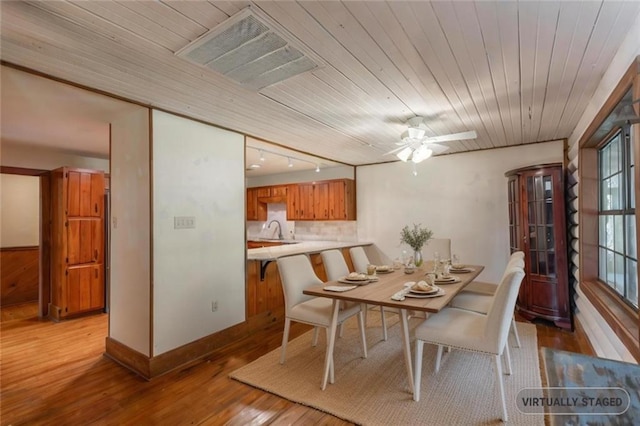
[[516, 72]]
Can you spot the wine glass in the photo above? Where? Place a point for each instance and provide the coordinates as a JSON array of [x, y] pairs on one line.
[[455, 261], [436, 261]]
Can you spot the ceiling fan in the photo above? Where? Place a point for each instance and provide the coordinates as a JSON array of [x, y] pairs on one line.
[[416, 146]]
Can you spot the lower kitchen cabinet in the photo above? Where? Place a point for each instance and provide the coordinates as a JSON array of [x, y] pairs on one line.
[[265, 297]]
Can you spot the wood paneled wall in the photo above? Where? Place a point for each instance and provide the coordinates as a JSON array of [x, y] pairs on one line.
[[19, 275]]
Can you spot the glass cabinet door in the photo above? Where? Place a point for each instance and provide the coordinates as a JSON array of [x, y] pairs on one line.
[[515, 232], [540, 226]]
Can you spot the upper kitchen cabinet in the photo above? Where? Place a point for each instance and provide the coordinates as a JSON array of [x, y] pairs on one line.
[[305, 203], [77, 252], [342, 199], [324, 200], [255, 211], [258, 198]]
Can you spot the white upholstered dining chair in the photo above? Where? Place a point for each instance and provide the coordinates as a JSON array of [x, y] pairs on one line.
[[296, 273], [471, 331], [478, 296], [360, 261], [334, 264], [442, 246], [336, 267], [359, 258]]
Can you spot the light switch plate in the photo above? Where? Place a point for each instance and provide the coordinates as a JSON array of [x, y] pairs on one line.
[[184, 222]]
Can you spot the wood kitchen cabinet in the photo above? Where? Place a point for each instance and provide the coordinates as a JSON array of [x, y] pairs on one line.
[[537, 226], [342, 199], [257, 199], [77, 252], [305, 198], [278, 191], [265, 298], [321, 201], [324, 200], [255, 209], [300, 201]]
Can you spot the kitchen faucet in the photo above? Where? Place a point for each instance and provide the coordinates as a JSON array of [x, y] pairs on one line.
[[280, 237]]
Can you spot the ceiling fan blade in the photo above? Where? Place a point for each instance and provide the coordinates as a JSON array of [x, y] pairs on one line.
[[453, 137], [393, 151], [437, 149]]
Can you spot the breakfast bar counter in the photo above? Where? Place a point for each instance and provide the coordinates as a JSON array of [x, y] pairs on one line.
[[300, 247], [264, 295]]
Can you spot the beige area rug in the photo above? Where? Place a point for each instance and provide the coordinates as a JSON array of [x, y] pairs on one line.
[[374, 391]]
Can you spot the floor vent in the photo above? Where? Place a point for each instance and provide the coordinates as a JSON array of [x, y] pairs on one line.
[[250, 49]]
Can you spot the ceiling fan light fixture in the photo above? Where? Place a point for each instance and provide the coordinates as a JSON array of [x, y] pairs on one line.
[[421, 153], [404, 154]]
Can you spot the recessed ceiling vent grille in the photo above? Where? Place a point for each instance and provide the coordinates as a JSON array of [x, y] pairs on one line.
[[251, 50]]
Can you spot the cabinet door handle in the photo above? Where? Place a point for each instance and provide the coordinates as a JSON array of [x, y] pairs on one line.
[[96, 272], [95, 255], [96, 207]]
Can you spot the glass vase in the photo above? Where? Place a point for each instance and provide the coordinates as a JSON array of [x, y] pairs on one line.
[[417, 258]]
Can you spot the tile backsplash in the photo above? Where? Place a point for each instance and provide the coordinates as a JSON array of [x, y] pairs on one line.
[[334, 230]]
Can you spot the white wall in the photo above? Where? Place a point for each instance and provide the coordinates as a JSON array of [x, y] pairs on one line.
[[19, 211], [458, 196], [130, 287], [603, 339], [31, 157], [198, 170]]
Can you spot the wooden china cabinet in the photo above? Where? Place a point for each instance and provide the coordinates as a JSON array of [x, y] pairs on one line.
[[537, 226]]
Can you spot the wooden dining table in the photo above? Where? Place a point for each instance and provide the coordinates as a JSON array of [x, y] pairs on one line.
[[379, 292]]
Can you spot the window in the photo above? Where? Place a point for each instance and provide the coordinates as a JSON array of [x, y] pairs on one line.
[[617, 245]]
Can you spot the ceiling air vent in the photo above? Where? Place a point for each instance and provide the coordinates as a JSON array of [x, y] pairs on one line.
[[250, 49]]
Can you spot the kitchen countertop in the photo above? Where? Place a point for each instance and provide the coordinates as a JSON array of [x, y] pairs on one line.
[[300, 247]]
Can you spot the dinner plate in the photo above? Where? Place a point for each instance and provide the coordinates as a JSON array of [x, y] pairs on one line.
[[461, 270], [352, 282], [434, 290], [425, 296], [384, 271], [347, 278], [450, 280]]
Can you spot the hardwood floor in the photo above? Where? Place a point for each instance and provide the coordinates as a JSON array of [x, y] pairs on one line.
[[55, 373]]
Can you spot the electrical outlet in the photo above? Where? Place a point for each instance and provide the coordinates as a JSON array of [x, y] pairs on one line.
[[184, 222], [214, 305]]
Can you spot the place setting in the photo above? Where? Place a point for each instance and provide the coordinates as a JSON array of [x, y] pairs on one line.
[[446, 279], [423, 290], [356, 278], [459, 268], [419, 290], [384, 269]]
